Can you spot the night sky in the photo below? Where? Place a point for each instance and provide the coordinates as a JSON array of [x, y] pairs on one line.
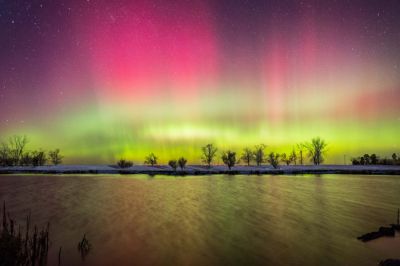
[[108, 79]]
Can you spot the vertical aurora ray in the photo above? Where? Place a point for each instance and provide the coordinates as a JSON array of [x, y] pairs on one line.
[[103, 80]]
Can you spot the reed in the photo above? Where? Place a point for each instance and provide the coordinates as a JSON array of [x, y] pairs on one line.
[[30, 248]]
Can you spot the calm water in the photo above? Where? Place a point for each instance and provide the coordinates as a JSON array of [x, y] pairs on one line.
[[210, 220]]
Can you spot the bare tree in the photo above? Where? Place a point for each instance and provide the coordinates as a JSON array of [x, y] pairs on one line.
[[273, 159], [316, 150], [182, 163], [4, 154], [229, 158], [17, 145], [300, 148], [26, 159], [151, 159], [247, 156], [55, 157], [293, 157], [209, 153], [286, 159], [259, 154], [39, 158]]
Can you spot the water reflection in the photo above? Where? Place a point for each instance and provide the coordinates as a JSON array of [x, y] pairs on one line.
[[210, 220]]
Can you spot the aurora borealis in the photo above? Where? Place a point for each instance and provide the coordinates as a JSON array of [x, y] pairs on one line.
[[108, 79]]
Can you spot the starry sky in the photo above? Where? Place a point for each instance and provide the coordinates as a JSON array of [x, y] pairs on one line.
[[103, 80]]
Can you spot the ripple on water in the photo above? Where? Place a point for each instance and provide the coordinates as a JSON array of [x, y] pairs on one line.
[[209, 220]]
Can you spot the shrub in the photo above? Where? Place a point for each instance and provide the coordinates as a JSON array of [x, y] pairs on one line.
[[39, 158], [151, 159], [286, 159], [182, 163], [394, 158], [273, 159], [173, 164], [26, 159], [247, 156], [229, 158], [374, 159], [124, 163], [55, 157]]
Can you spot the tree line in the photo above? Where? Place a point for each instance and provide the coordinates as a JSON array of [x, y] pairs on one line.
[[374, 159], [13, 152], [315, 150]]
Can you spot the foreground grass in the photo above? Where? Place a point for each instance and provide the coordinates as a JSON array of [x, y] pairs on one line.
[[17, 248]]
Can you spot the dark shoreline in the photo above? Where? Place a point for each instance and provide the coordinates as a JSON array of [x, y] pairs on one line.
[[202, 170]]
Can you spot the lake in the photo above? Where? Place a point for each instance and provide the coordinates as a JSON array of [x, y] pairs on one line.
[[209, 220]]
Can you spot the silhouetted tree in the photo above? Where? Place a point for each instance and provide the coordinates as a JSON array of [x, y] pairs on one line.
[[26, 159], [300, 148], [374, 159], [273, 159], [229, 158], [366, 159], [316, 150], [122, 163], [5, 159], [17, 145], [385, 161], [55, 157], [12, 153], [39, 158], [284, 158], [182, 163], [259, 153], [151, 159], [293, 157], [209, 152], [355, 161], [247, 156], [371, 159], [394, 157], [173, 164]]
